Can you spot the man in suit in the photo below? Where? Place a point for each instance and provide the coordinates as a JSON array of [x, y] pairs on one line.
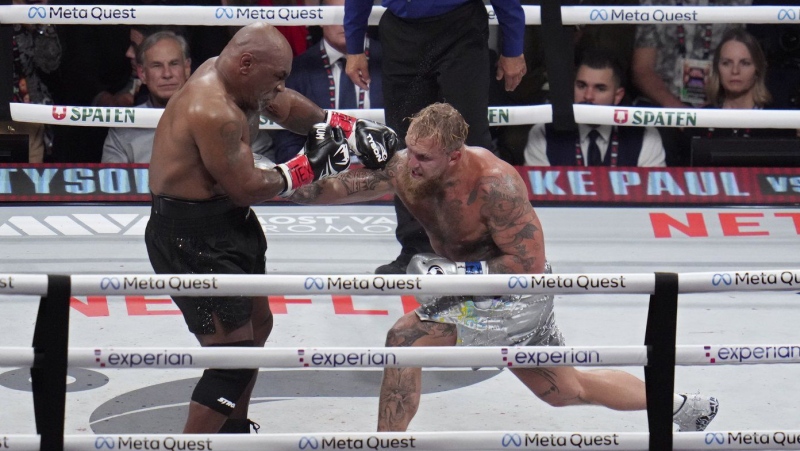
[[319, 74], [599, 81]]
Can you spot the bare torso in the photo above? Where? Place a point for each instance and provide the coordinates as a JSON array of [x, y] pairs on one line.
[[176, 167], [456, 217]]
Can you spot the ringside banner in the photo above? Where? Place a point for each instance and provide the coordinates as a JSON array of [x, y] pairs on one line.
[[546, 185]]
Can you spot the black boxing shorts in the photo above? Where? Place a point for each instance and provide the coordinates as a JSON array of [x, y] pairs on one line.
[[213, 236]]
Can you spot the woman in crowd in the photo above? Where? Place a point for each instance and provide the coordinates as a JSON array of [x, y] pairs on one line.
[[737, 81]]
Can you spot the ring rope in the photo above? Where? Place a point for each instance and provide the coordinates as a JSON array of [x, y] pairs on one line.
[[334, 15], [369, 284], [452, 440], [404, 357], [498, 116]]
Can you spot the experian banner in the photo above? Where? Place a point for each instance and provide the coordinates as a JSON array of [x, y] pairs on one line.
[[546, 185]]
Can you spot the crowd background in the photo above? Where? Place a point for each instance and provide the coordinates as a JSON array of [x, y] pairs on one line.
[[89, 65]]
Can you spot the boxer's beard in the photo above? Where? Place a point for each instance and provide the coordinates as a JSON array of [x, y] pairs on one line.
[[420, 188]]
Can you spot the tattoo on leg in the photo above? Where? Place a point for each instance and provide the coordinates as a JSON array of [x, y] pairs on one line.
[[409, 336], [399, 398], [554, 389], [550, 377]]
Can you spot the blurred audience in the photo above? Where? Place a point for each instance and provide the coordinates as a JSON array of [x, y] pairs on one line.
[[297, 35], [671, 62], [319, 74], [599, 81], [93, 69], [35, 53]]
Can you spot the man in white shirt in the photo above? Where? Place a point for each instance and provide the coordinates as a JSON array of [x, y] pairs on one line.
[[163, 64], [598, 81]]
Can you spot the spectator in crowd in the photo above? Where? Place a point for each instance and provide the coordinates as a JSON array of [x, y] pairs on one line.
[[138, 33], [737, 81], [319, 74], [163, 65], [599, 81], [738, 73], [434, 51], [35, 53], [671, 62]]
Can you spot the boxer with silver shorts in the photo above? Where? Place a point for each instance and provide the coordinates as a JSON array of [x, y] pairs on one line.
[[476, 212]]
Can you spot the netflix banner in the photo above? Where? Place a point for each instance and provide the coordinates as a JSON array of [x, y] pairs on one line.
[[546, 185]]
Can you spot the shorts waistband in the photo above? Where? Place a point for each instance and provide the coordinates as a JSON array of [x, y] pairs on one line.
[[173, 208]]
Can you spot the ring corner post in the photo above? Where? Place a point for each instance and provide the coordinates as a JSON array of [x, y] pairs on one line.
[[662, 319], [49, 373]]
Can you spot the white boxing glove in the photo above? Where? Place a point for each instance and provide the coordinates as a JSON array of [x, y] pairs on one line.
[[428, 263], [435, 264]]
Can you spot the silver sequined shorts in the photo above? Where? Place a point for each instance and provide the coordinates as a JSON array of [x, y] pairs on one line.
[[497, 320]]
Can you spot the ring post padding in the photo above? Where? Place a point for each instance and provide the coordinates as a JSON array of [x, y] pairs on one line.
[[659, 373], [50, 344]]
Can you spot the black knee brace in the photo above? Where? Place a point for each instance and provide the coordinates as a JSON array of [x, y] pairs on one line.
[[220, 390]]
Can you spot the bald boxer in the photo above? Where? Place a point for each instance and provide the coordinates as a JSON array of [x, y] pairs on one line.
[[203, 180], [475, 209]]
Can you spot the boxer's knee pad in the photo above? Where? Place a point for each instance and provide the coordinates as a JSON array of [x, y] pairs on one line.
[[220, 390]]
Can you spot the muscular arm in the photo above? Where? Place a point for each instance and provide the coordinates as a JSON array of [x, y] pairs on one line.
[[513, 224], [355, 185], [219, 133], [293, 111]]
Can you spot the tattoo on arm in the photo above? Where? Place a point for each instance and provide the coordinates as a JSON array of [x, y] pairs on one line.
[[231, 135], [509, 215], [341, 186]]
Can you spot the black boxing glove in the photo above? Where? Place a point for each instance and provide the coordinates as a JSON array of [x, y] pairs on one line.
[[325, 154], [373, 143]]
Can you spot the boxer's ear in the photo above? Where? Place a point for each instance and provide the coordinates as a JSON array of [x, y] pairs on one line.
[[245, 63]]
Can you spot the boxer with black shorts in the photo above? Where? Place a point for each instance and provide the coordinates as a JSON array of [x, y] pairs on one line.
[[203, 179], [475, 209]]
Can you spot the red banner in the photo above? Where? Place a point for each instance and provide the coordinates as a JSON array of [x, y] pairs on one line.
[[546, 185], [654, 186]]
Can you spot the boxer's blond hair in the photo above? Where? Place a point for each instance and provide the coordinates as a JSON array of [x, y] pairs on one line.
[[440, 122]]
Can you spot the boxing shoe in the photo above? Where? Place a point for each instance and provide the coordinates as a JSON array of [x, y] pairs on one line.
[[398, 266], [696, 412]]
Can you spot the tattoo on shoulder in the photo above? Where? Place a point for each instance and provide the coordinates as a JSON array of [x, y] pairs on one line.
[[502, 199]]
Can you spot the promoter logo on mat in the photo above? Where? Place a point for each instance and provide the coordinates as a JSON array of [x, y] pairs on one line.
[[117, 224]]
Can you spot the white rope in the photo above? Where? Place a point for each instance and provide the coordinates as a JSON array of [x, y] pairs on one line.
[[685, 117], [498, 116], [334, 15], [400, 357], [758, 280], [30, 284], [359, 284], [148, 117], [369, 284], [665, 15], [447, 440]]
